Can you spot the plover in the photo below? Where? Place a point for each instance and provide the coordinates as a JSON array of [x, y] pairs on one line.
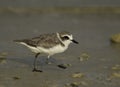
[[49, 44]]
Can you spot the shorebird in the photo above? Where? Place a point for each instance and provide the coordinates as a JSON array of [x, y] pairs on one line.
[[49, 44]]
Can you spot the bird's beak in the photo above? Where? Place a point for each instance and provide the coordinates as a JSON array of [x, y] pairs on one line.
[[74, 41]]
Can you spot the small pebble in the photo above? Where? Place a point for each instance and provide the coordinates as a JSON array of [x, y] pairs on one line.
[[84, 57], [3, 57], [116, 74], [115, 38], [78, 75], [74, 84], [116, 67], [3, 54]]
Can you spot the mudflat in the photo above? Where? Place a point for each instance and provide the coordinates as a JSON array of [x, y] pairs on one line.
[[95, 62]]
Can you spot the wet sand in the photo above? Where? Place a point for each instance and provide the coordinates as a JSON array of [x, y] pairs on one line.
[[100, 66]]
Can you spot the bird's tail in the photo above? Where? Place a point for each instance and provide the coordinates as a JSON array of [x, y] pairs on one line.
[[17, 41]]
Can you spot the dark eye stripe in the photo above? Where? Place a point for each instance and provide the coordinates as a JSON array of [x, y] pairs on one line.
[[65, 38]]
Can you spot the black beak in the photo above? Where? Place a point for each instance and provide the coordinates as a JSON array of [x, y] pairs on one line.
[[75, 41]]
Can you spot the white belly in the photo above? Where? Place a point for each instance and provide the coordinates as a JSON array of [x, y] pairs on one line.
[[53, 50], [49, 51]]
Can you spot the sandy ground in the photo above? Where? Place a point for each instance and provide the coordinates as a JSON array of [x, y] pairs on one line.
[[95, 62]]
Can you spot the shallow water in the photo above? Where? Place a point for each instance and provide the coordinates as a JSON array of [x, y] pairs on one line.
[[93, 33]]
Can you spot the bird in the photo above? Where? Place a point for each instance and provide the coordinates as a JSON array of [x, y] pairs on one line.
[[48, 43]]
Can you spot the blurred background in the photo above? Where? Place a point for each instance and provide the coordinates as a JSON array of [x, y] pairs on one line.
[[95, 62], [58, 3]]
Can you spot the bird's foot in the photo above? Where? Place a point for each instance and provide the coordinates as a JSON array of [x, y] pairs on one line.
[[62, 66], [36, 70]]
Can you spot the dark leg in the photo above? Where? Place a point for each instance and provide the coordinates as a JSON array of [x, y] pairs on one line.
[[37, 55], [34, 64]]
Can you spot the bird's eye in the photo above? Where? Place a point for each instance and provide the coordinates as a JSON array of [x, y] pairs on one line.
[[66, 38]]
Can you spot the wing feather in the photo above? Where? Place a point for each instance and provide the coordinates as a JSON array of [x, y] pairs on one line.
[[45, 41]]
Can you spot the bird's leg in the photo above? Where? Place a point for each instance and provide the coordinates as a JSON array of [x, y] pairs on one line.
[[48, 62], [34, 64], [37, 55]]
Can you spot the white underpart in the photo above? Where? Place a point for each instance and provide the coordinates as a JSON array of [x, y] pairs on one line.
[[33, 49], [50, 51], [53, 50]]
